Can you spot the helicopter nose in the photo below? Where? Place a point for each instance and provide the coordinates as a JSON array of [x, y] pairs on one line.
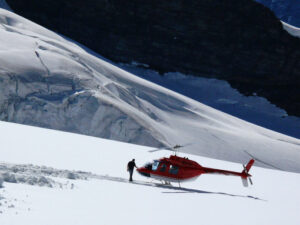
[[143, 172]]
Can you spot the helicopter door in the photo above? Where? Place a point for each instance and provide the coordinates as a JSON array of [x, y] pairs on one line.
[[163, 167], [173, 169]]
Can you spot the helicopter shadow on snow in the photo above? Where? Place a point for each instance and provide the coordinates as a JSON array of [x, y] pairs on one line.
[[172, 189]]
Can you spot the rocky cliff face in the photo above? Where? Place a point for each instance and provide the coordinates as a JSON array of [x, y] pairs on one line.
[[286, 10], [240, 41]]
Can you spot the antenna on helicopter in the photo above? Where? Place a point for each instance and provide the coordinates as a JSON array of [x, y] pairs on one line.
[[176, 147]]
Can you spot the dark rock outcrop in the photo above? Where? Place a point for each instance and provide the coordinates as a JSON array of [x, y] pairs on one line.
[[240, 41], [286, 10]]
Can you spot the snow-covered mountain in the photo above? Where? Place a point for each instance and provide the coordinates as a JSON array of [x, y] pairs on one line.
[[58, 178], [240, 41], [51, 82], [221, 96]]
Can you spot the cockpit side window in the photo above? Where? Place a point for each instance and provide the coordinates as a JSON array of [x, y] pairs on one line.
[[155, 165], [173, 170]]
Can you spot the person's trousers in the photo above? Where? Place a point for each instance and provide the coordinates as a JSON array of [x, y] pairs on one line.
[[130, 175]]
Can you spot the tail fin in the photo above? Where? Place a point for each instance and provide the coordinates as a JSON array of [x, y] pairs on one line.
[[249, 165], [245, 174]]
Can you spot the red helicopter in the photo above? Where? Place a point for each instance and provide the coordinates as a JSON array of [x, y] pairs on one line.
[[180, 169]]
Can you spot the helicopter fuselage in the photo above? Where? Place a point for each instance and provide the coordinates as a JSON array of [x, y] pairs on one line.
[[180, 169]]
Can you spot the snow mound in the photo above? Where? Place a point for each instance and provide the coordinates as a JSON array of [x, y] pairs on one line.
[[38, 175]]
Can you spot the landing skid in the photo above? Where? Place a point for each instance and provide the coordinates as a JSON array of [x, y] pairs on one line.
[[166, 183]]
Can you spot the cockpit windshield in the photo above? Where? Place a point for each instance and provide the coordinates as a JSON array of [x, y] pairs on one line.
[[152, 166], [155, 165]]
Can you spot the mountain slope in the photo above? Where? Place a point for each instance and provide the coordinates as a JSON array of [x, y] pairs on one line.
[[50, 82], [239, 41], [221, 96], [44, 82], [100, 194]]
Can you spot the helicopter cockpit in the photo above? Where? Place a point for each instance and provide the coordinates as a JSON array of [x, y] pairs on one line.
[[152, 166], [161, 167], [148, 166]]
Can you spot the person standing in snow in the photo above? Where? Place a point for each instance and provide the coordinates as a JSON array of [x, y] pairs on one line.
[[130, 167]]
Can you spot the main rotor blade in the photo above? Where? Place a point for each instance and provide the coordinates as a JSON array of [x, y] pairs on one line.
[[160, 149], [185, 145], [156, 150], [174, 148]]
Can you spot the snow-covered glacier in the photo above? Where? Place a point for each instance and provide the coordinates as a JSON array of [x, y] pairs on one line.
[[49, 81]]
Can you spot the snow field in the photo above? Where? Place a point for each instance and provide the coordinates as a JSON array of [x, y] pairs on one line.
[[108, 198]]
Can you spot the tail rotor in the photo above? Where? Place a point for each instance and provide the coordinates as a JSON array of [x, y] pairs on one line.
[[245, 173]]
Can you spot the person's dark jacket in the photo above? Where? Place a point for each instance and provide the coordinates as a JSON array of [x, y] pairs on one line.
[[131, 165]]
